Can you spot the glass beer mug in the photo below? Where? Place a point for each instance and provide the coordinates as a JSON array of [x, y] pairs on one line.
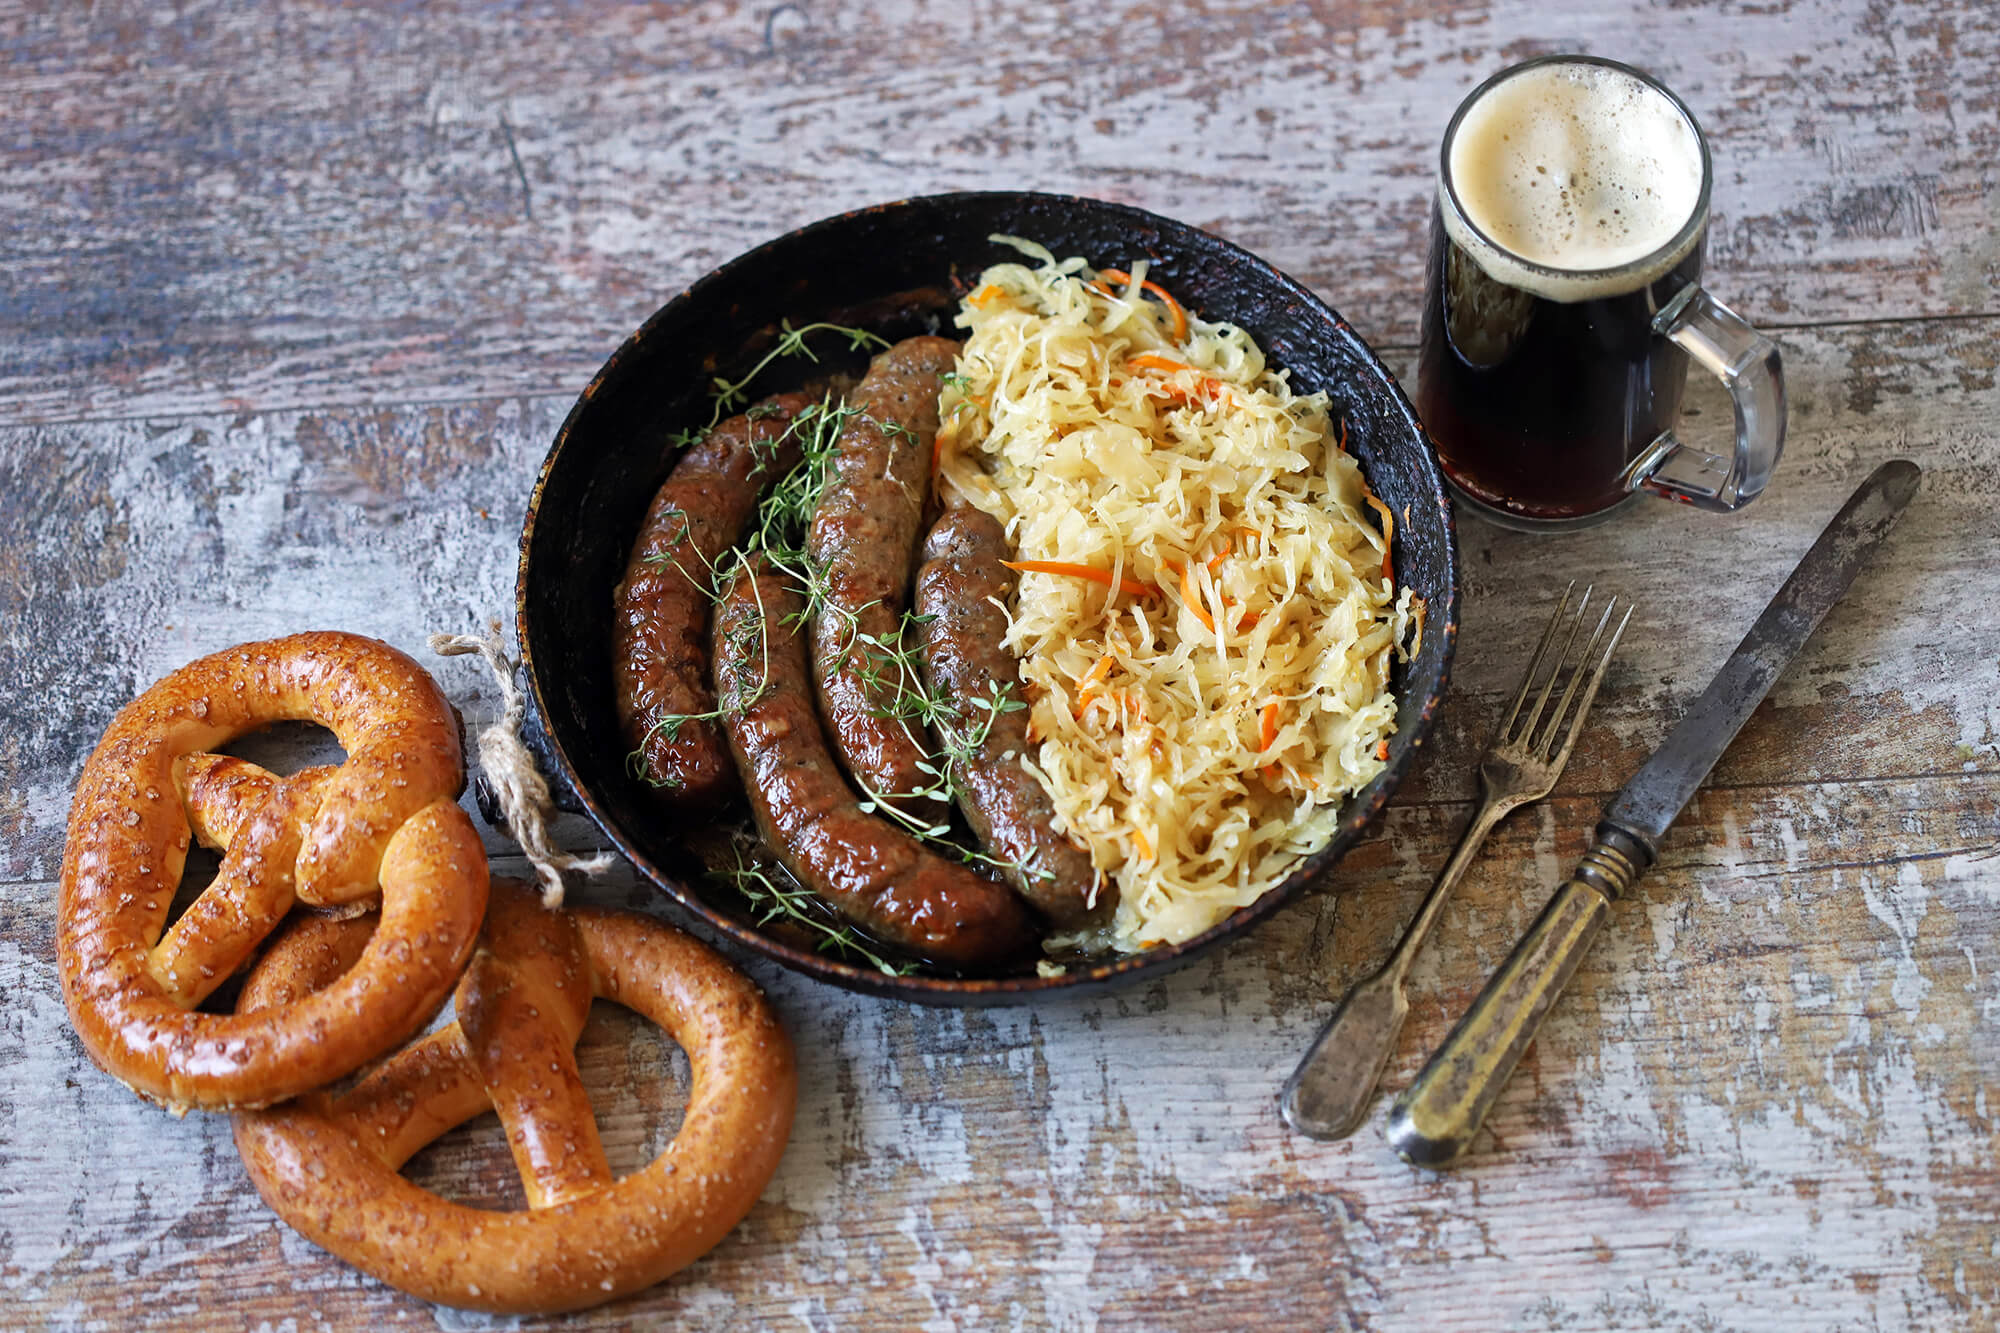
[[1564, 300]]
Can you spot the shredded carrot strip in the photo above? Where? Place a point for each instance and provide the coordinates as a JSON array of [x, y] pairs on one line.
[[1135, 704], [1388, 533], [1145, 843], [1342, 446], [986, 295], [1133, 586], [1213, 392], [1267, 735], [1381, 749], [1098, 671], [1193, 599], [1249, 621], [1174, 310], [1219, 556], [948, 431]]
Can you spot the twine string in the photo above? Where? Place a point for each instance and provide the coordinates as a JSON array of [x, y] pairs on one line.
[[511, 771]]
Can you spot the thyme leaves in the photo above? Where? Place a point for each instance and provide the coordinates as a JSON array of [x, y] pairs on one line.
[[772, 898]]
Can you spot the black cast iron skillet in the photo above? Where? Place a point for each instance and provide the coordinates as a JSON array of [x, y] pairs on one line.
[[898, 269]]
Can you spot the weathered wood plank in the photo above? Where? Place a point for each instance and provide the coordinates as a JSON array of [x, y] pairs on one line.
[[214, 208]]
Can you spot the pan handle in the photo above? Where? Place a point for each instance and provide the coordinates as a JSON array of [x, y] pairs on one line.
[[534, 736]]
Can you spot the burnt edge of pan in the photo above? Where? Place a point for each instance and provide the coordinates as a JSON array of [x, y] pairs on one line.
[[1392, 442]]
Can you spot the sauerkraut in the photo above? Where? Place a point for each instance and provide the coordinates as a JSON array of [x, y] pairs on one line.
[[1206, 616]]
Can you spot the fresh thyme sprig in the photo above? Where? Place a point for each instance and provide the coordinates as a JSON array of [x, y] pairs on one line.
[[728, 393], [670, 724], [666, 555], [667, 725], [784, 516], [960, 742], [773, 899]]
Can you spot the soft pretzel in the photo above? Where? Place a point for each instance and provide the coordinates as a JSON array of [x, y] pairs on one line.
[[387, 816], [328, 1164]]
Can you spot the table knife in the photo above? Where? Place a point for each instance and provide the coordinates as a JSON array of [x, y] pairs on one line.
[[1436, 1117]]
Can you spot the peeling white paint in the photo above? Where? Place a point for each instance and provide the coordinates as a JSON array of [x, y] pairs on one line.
[[1901, 907]]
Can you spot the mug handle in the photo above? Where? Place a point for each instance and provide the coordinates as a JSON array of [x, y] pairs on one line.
[[1747, 364]]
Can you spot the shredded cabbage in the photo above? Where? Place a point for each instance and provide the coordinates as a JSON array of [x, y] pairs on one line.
[[1197, 737]]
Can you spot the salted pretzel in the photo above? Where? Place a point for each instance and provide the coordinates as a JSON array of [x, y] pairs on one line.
[[328, 1164], [385, 823]]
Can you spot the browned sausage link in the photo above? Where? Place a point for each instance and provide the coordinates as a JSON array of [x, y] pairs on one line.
[[961, 589], [878, 877], [659, 659], [864, 537]]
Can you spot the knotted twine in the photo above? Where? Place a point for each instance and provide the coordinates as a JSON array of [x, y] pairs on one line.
[[517, 783]]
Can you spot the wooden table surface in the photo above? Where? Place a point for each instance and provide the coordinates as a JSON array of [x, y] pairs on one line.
[[292, 301]]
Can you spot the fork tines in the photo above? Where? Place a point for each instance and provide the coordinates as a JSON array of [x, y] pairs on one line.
[[1591, 662]]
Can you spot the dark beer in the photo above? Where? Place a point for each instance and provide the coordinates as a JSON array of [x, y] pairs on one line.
[[1571, 207], [1538, 407]]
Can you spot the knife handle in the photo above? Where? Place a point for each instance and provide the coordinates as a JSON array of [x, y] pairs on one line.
[[1438, 1114]]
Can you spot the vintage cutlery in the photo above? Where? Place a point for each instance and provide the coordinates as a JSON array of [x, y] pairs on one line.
[[1327, 1096], [1438, 1114]]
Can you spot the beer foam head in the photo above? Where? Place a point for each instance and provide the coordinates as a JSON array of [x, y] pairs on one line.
[[1580, 169]]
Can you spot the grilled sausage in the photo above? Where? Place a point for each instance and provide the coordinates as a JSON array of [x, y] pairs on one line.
[[864, 537], [660, 611], [876, 876], [961, 590]]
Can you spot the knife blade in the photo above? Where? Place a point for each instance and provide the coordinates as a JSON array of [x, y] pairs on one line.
[[1663, 786], [1439, 1113]]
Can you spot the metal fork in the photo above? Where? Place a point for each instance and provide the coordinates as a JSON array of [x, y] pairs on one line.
[[1327, 1097]]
